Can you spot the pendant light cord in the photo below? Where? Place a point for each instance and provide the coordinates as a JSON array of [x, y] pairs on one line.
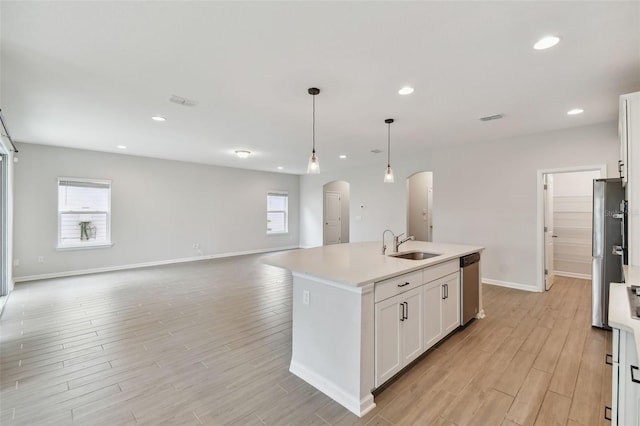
[[313, 125], [388, 144]]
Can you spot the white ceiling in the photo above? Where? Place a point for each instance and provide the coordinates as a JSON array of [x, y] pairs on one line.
[[91, 74]]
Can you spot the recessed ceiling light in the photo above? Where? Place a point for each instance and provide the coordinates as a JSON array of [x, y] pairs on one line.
[[406, 90], [575, 111], [546, 42], [280, 167], [158, 118], [242, 153], [343, 156], [121, 147]]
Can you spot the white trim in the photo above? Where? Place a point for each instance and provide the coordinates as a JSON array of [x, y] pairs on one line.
[[146, 264], [509, 284], [573, 275], [84, 246], [350, 402], [540, 212]]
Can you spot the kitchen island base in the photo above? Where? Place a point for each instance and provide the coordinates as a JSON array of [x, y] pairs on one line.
[[332, 340]]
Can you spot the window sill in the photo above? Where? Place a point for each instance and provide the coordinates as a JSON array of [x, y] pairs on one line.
[[85, 246]]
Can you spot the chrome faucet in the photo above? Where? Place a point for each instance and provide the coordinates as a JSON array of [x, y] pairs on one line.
[[396, 241], [384, 245]]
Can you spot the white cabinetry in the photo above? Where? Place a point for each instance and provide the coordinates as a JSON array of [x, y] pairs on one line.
[[625, 399], [629, 166], [398, 323], [442, 308], [410, 316]]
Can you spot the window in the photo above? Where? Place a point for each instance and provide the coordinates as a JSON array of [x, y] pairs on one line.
[[84, 213], [277, 213]]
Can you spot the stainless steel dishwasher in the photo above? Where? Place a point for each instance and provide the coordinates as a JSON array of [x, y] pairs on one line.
[[470, 286]]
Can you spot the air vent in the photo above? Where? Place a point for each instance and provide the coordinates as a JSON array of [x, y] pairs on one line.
[[492, 117], [182, 101], [376, 151]]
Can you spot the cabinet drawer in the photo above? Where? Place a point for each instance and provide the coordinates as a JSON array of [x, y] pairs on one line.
[[438, 271], [396, 285]]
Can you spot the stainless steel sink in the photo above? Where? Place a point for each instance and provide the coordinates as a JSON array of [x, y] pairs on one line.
[[415, 255]]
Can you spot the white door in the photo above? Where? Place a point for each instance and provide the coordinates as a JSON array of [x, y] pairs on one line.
[[412, 334], [388, 338], [332, 225], [549, 275], [432, 313], [451, 303]]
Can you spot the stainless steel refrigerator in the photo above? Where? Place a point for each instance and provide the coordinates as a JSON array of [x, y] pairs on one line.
[[608, 245]]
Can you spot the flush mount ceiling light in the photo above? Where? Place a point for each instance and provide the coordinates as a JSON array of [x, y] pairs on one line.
[[388, 174], [241, 153], [158, 118], [546, 42], [121, 147], [406, 90], [313, 167], [575, 111]]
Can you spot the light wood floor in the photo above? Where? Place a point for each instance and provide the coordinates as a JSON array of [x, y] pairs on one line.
[[209, 343]]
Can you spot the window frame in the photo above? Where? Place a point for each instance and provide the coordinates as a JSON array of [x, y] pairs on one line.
[[87, 244], [286, 212]]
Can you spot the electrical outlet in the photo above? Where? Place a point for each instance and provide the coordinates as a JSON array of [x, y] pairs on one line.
[[16, 262], [305, 297], [40, 259]]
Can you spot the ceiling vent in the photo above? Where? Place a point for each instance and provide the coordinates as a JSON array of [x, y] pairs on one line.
[[492, 117], [182, 101], [376, 151]]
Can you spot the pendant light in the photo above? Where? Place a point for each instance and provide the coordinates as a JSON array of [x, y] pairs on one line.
[[314, 165], [388, 174]]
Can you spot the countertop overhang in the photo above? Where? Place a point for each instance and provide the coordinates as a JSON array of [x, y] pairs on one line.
[[358, 264]]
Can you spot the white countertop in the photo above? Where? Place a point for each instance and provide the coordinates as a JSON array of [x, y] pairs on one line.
[[360, 263], [619, 310]]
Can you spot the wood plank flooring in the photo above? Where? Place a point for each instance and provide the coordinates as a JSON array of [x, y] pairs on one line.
[[210, 343]]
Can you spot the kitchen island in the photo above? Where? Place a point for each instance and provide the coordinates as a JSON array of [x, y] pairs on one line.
[[360, 316]]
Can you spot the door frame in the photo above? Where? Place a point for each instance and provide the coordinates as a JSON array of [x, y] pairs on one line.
[[325, 218], [602, 168], [344, 189]]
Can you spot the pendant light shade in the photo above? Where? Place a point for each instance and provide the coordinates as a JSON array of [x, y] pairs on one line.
[[313, 167], [388, 174]]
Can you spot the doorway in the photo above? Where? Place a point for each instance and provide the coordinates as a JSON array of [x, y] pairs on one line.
[[564, 222], [335, 213], [420, 206]]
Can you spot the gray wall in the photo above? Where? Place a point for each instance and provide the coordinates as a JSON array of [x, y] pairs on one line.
[[483, 194], [159, 208]]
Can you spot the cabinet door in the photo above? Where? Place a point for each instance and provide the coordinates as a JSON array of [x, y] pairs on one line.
[[433, 296], [412, 334], [629, 389], [451, 303], [623, 125], [387, 338]]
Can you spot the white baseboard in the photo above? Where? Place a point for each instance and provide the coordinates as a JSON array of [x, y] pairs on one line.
[[353, 403], [145, 264], [517, 286], [573, 275]]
